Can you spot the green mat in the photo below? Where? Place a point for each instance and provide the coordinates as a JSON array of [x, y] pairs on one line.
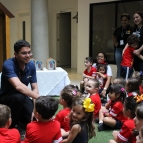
[[101, 137]]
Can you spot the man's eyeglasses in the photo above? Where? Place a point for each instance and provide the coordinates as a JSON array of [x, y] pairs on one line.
[[30, 53]]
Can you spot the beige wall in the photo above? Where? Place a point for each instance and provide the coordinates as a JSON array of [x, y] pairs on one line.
[[80, 30]]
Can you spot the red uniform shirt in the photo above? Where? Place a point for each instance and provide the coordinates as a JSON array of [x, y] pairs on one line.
[[117, 111], [43, 132], [91, 72], [125, 134], [95, 98], [141, 89], [128, 57], [9, 135], [101, 80], [63, 118]]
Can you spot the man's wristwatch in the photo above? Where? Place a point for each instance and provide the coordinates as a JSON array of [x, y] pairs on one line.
[[105, 88]]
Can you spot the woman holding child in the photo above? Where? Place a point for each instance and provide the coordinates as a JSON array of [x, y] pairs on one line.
[[102, 59]]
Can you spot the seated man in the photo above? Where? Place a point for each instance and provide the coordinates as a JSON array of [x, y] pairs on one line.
[[17, 73]]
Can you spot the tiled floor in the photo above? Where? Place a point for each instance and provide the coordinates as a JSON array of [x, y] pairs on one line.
[[74, 77]]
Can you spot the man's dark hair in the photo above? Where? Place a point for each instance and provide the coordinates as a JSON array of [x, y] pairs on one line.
[[5, 114], [19, 44], [46, 106]]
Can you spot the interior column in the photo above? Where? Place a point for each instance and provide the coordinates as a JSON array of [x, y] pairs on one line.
[[39, 30]]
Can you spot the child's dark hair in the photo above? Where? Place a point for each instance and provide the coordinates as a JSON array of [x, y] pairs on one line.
[[125, 15], [102, 65], [46, 106], [69, 93], [139, 111], [118, 89], [120, 80], [138, 75], [96, 82], [88, 119], [133, 85], [133, 39], [130, 104], [19, 44], [5, 114], [89, 59]]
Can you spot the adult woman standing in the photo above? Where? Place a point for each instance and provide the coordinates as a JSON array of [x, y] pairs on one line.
[[138, 30], [102, 58], [120, 39]]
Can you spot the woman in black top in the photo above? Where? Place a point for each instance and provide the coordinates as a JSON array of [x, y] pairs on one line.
[[120, 39], [138, 30]]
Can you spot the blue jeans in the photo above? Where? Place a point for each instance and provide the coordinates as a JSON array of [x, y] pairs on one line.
[[118, 58], [126, 72]]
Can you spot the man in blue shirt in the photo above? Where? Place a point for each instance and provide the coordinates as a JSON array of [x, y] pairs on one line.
[[17, 73]]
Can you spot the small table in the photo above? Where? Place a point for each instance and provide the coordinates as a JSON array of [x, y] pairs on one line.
[[51, 82]]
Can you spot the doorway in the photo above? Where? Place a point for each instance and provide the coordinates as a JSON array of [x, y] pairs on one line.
[[64, 39]]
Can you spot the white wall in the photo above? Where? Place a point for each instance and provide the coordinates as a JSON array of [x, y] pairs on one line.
[[83, 32]]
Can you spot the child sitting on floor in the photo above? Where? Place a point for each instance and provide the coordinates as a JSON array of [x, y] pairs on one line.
[[92, 88], [126, 133], [112, 114], [132, 87], [81, 121], [139, 75], [45, 129], [66, 98], [7, 135], [88, 73]]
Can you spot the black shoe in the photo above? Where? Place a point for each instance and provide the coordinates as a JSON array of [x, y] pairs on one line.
[[97, 120], [21, 131], [101, 127]]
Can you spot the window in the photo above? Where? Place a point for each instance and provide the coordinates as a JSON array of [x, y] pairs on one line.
[[104, 18]]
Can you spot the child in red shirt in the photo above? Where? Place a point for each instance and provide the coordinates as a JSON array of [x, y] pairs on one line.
[[139, 76], [45, 129], [88, 73], [7, 135], [128, 56], [66, 98], [132, 87], [101, 76], [92, 87], [126, 133], [112, 114]]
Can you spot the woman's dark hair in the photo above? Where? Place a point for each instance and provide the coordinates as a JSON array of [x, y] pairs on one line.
[[118, 89], [133, 85], [125, 15], [102, 65], [130, 104], [133, 39], [89, 59], [88, 119]]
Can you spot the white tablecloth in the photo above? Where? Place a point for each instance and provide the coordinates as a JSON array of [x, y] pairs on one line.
[[51, 82]]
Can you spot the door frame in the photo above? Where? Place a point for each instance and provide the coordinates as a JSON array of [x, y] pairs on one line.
[[72, 28]]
